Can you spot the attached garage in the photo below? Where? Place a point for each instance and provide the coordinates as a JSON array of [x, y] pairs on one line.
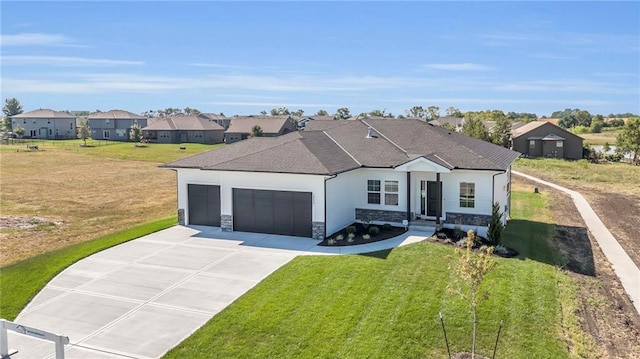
[[275, 212], [204, 205]]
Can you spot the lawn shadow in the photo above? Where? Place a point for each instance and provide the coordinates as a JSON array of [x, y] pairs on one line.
[[383, 254], [566, 246]]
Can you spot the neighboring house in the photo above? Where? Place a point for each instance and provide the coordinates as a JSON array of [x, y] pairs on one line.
[[544, 139], [220, 119], [456, 122], [46, 124], [313, 183], [114, 125], [184, 129], [271, 126], [302, 123]]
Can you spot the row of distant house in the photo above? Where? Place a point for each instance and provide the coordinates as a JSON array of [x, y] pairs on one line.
[[115, 125], [534, 139]]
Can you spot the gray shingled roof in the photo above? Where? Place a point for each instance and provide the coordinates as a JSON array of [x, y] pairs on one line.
[[183, 123], [44, 113], [345, 147], [116, 114], [268, 124]]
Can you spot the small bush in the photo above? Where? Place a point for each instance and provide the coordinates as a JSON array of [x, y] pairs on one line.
[[351, 229], [483, 248], [331, 241], [373, 230], [616, 157], [339, 237], [459, 234], [462, 243], [351, 235], [366, 237], [386, 227], [500, 249], [350, 239], [447, 241]]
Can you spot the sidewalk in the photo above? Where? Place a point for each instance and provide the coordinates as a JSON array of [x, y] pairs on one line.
[[622, 264]]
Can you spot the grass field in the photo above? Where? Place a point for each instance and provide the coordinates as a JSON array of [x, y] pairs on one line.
[[21, 281], [152, 152], [608, 135], [614, 176], [65, 196], [386, 304]]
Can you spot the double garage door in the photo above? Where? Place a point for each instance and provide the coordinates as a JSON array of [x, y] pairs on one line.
[[275, 212]]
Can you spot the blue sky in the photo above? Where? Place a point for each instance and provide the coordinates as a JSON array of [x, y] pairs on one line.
[[245, 57]]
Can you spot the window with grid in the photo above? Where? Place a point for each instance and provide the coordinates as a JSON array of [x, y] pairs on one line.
[[559, 144], [391, 193], [373, 191], [467, 195]]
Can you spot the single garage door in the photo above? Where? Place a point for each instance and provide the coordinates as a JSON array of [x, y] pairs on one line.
[[276, 212], [204, 205]]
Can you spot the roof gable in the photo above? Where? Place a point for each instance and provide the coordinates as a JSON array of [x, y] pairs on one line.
[[183, 123], [268, 124], [548, 126], [45, 113], [116, 115]]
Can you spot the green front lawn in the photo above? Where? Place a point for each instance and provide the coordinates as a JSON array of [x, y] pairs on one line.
[[386, 304], [21, 281]]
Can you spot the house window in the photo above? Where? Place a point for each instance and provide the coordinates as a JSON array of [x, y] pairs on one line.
[[121, 132], [391, 193], [106, 122], [71, 126], [467, 194], [559, 144], [532, 143], [106, 134], [373, 191], [50, 132]]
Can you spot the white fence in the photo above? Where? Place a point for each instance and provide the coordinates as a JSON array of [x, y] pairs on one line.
[[5, 325]]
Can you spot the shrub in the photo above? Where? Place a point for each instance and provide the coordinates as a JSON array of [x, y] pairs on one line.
[[462, 243], [366, 237], [458, 234], [616, 157], [351, 229], [386, 227], [495, 225], [339, 237], [351, 236], [500, 249], [350, 239], [447, 240], [331, 241], [373, 230]]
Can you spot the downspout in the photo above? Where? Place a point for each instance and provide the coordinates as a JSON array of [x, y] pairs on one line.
[[325, 205], [493, 190], [408, 196], [438, 199]]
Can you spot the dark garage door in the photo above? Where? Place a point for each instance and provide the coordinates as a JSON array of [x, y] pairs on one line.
[[276, 212], [204, 205]]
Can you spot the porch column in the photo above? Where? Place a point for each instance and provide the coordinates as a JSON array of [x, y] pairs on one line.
[[408, 196], [438, 199]]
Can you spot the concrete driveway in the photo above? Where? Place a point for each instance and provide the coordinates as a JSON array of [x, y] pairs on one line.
[[141, 298]]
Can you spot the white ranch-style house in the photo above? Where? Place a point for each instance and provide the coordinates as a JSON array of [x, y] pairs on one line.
[[314, 183]]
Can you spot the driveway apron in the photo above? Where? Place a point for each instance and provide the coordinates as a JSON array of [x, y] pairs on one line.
[[143, 297]]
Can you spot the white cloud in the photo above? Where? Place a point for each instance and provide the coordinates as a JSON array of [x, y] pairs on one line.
[[64, 61], [466, 66], [30, 39]]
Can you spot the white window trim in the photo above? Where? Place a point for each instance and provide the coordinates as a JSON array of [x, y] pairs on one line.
[[468, 199]]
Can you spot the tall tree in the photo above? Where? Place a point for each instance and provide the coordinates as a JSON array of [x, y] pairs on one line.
[[11, 107], [191, 111], [322, 113], [433, 112], [628, 141], [597, 123], [343, 113], [474, 127], [84, 131], [453, 112], [416, 111], [501, 133], [298, 113], [280, 111], [380, 113], [150, 113]]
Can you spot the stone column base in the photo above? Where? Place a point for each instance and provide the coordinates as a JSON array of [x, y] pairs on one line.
[[226, 222], [317, 230], [181, 216]]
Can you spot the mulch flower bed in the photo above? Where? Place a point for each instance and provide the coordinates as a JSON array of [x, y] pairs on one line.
[[386, 232], [454, 236]]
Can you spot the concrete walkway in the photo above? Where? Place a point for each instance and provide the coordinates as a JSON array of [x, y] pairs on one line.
[[142, 298], [622, 264]]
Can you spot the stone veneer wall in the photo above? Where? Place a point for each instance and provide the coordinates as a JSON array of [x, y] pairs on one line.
[[181, 216], [467, 219], [363, 214], [226, 222], [317, 230]]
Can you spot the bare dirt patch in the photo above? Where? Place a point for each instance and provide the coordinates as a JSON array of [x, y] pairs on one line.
[[605, 311]]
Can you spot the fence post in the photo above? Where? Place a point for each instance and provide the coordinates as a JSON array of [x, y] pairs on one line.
[[4, 346]]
